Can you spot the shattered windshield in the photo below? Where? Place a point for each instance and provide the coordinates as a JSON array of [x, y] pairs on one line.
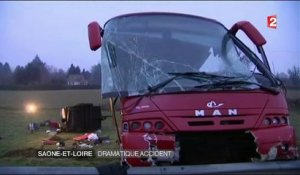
[[142, 51]]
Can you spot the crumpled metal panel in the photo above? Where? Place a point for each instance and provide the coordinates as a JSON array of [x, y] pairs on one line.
[[276, 143]]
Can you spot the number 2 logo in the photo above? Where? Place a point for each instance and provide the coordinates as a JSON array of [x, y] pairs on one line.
[[272, 21]]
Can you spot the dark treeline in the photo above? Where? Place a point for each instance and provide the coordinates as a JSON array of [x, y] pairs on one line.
[[38, 75], [292, 78]]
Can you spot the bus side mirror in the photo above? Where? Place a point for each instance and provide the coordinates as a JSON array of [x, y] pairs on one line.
[[254, 35], [94, 31]]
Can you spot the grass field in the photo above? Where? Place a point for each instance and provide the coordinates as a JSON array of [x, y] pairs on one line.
[[48, 99], [293, 99], [293, 94], [18, 146]]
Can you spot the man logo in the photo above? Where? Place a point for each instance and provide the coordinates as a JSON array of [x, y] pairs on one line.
[[216, 112], [213, 104]]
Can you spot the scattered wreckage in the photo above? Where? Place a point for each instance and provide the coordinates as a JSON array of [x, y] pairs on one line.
[[79, 118]]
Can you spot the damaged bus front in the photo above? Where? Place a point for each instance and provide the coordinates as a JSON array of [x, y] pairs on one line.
[[189, 85]]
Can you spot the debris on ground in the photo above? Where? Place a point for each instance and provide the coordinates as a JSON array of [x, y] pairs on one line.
[[92, 137], [106, 141], [32, 127], [45, 123], [88, 140], [42, 124], [51, 133], [74, 145], [83, 141], [81, 137], [55, 138], [49, 142], [54, 125], [60, 145], [98, 132], [103, 139], [84, 145]]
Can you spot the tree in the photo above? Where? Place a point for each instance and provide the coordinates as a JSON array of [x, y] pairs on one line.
[[34, 73], [37, 72], [282, 76], [5, 74], [96, 75], [294, 75], [86, 75], [20, 77], [77, 70], [73, 70], [58, 77]]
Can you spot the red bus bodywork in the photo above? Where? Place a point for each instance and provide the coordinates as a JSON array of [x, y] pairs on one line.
[[206, 127], [177, 112]]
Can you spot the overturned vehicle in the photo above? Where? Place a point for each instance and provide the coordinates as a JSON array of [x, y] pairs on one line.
[[189, 85]]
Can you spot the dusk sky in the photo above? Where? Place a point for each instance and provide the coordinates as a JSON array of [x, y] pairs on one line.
[[57, 31]]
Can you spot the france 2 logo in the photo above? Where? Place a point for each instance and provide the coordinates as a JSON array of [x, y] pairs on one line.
[[272, 21]]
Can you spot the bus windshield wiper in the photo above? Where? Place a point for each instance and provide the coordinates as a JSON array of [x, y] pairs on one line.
[[223, 84], [201, 74], [197, 76], [161, 84]]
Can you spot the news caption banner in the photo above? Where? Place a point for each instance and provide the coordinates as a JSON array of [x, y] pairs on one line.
[[103, 153], [65, 153]]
